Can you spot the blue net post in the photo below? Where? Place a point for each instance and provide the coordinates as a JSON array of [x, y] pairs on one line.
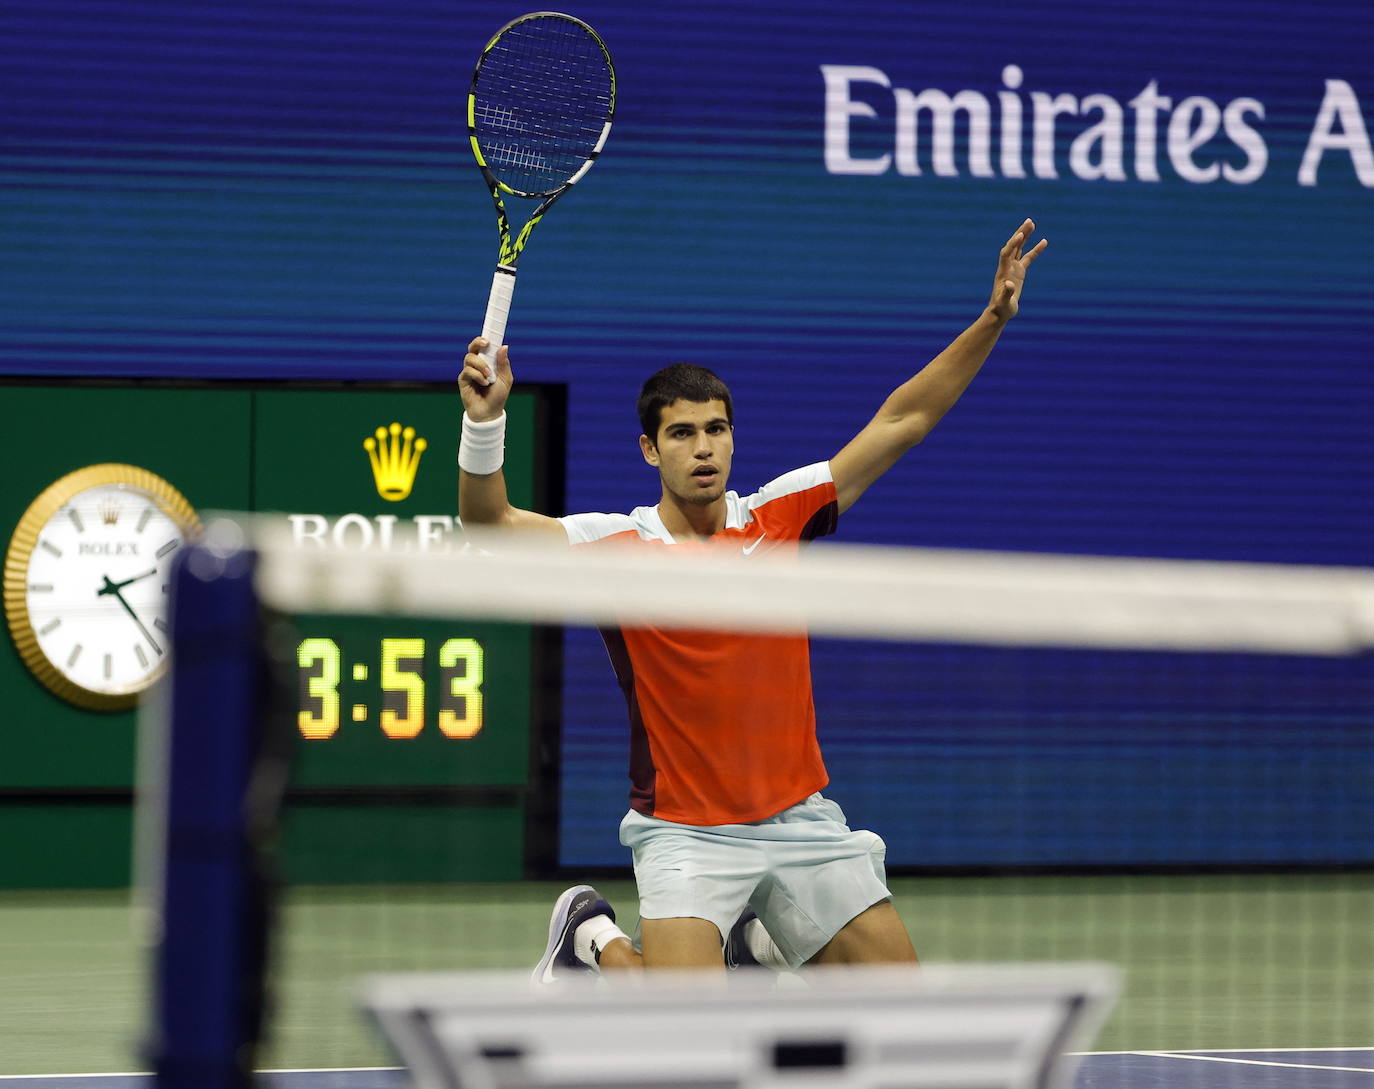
[[208, 964]]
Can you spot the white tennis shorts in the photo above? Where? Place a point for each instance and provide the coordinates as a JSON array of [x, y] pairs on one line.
[[803, 871]]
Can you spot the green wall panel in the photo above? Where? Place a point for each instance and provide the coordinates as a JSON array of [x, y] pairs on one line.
[[299, 450], [191, 437], [356, 844], [65, 845]]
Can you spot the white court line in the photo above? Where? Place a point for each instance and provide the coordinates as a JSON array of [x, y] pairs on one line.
[[1251, 1062], [330, 1069]]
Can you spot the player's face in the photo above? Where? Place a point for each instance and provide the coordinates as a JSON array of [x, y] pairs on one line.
[[693, 450]]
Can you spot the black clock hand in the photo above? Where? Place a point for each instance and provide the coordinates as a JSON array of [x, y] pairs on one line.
[[112, 589], [120, 585]]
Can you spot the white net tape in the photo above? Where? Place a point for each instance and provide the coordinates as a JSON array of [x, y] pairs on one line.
[[874, 593]]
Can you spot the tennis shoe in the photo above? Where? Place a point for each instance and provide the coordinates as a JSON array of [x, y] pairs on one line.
[[737, 954], [573, 908]]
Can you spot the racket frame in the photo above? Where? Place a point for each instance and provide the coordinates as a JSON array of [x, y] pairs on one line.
[[503, 280]]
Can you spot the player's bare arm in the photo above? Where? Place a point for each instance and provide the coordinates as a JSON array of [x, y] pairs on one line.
[[482, 497], [915, 407]]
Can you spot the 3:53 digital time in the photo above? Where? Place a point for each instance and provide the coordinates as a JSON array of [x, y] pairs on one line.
[[401, 683]]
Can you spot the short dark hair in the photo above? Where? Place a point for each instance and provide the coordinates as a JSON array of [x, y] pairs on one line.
[[680, 382]]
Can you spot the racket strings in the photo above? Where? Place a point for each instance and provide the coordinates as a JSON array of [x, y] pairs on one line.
[[540, 102]]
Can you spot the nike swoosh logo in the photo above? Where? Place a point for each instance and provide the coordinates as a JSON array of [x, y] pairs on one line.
[[747, 549]]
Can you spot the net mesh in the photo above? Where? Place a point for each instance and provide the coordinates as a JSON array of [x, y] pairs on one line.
[[1165, 766], [540, 100]]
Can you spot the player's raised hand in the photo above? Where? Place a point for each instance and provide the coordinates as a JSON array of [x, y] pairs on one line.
[[481, 401], [1012, 264]]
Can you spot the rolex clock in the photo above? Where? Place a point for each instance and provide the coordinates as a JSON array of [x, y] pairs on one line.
[[86, 579]]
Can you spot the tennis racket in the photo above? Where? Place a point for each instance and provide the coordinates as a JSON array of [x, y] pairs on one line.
[[539, 112]]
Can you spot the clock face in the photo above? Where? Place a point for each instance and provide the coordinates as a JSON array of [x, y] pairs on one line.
[[93, 622]]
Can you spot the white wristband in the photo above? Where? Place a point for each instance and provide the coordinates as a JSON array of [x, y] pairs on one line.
[[482, 450]]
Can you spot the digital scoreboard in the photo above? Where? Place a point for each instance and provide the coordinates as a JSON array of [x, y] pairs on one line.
[[405, 727], [402, 675]]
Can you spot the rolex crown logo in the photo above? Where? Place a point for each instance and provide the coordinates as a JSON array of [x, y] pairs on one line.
[[109, 512], [395, 456]]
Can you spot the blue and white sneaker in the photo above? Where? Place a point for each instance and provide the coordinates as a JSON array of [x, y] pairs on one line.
[[737, 954], [574, 907]]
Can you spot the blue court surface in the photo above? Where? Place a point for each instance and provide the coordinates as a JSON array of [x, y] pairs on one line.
[[1317, 1068]]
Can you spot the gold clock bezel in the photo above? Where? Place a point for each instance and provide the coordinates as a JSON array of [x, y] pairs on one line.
[[25, 540]]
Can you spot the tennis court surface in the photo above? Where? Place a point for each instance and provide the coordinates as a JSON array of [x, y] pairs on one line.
[[1247, 981]]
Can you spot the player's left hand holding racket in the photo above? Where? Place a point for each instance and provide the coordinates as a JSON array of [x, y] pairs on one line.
[[539, 112]]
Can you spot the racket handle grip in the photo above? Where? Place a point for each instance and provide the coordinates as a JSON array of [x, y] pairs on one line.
[[498, 310]]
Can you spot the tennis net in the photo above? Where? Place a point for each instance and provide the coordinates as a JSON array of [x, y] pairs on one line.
[[1164, 765]]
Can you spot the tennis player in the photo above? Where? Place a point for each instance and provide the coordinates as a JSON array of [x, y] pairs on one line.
[[726, 817]]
